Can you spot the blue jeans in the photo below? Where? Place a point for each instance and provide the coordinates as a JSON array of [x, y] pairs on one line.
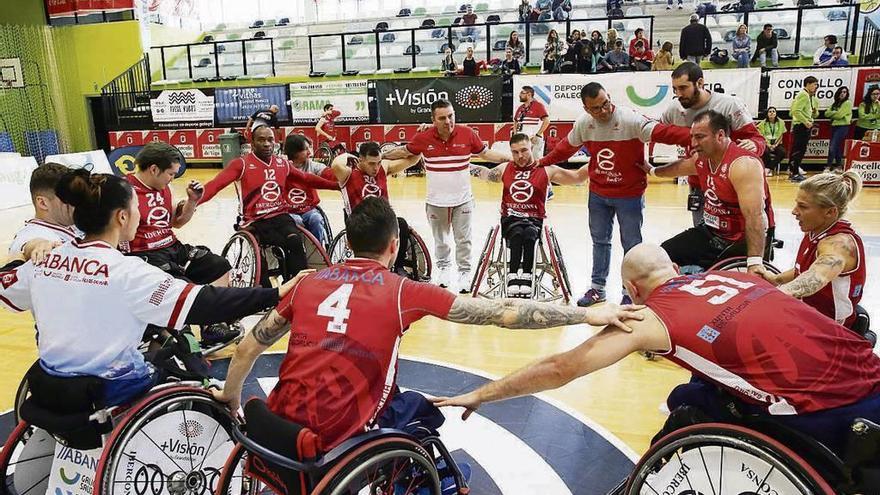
[[313, 222], [835, 149], [742, 59], [629, 217]]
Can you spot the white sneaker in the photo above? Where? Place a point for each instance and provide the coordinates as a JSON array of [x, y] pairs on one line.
[[441, 277], [464, 282], [512, 285], [525, 285]]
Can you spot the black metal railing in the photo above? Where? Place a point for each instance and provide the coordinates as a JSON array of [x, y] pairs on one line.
[[870, 50], [534, 33], [216, 60], [127, 97], [805, 21]]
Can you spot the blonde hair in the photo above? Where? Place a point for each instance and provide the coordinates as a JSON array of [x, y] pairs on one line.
[[742, 26], [830, 189]]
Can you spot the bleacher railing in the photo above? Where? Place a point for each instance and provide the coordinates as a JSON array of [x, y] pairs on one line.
[[870, 52], [127, 96], [217, 60], [800, 30], [348, 51]]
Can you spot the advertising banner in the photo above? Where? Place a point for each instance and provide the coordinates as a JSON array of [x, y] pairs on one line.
[[15, 175], [233, 106], [786, 84], [68, 8], [864, 157], [183, 108], [476, 99], [864, 78], [95, 160], [307, 101], [650, 92]]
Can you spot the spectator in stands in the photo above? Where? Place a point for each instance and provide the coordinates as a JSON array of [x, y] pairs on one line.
[[869, 112], [826, 51], [804, 109], [525, 11], [772, 128], [767, 44], [584, 54], [837, 59], [470, 66], [669, 4], [617, 58], [448, 65], [695, 42], [561, 10], [741, 46], [554, 48], [611, 38], [642, 59], [510, 65], [469, 19], [639, 36], [515, 45], [840, 114], [664, 59], [543, 8], [599, 50], [614, 8]]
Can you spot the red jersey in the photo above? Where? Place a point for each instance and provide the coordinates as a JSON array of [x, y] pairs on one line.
[[360, 185], [721, 211], [330, 128], [258, 184], [341, 363], [525, 191], [528, 117], [157, 211], [302, 188], [838, 299], [762, 345], [447, 164]]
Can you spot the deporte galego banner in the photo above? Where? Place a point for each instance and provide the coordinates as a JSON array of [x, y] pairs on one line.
[[408, 101], [233, 106], [649, 92]]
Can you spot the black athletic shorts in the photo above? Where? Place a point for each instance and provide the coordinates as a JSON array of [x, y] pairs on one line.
[[194, 263]]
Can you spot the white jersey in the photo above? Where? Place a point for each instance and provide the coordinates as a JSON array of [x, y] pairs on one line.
[[91, 304], [39, 229], [730, 106]]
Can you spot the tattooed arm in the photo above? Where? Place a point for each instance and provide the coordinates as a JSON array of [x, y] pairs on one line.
[[269, 330], [835, 255], [490, 174], [514, 313]]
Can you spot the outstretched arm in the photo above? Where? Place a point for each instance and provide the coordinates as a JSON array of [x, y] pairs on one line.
[[835, 254], [227, 176], [396, 166], [489, 174], [560, 153], [515, 313], [678, 168], [564, 176], [493, 156], [397, 153]]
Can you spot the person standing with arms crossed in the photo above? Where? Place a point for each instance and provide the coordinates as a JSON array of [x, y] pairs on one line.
[[447, 150]]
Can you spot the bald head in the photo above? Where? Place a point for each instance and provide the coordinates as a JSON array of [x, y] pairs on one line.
[[645, 267]]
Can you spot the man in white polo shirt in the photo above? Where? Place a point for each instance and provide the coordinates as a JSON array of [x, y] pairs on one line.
[[447, 151]]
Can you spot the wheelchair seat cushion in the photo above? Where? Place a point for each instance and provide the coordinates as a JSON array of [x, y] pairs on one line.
[[282, 437]]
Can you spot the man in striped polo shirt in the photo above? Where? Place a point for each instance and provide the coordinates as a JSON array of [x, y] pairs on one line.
[[447, 151]]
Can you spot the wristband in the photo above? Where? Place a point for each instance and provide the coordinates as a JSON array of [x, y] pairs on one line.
[[652, 171], [754, 260]]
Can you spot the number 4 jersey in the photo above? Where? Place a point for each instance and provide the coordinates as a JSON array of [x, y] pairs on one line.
[[345, 327], [765, 347]]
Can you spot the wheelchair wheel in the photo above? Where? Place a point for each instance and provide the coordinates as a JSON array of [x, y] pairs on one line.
[[243, 254], [175, 441], [486, 271], [738, 264], [328, 230], [418, 260], [233, 479], [20, 395], [723, 459], [316, 256], [26, 461], [325, 154], [558, 264], [387, 465], [339, 250]]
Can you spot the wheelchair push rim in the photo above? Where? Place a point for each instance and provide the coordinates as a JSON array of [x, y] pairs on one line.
[[739, 263], [695, 457]]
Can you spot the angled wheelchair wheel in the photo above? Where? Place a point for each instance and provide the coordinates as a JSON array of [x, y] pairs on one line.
[[325, 154], [234, 479], [20, 395], [244, 255], [738, 264], [316, 256], [487, 272], [339, 250], [175, 440], [555, 253], [26, 461], [418, 259], [328, 230], [387, 465], [723, 459]]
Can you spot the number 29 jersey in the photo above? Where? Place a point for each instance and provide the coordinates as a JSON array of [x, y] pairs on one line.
[[763, 346], [345, 327]]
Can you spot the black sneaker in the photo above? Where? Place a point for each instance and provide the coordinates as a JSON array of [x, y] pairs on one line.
[[219, 333], [796, 178]]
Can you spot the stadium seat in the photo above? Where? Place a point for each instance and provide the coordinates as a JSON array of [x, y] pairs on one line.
[[481, 7], [331, 54], [381, 26], [427, 23], [595, 13], [284, 21], [499, 46], [259, 35], [634, 11], [456, 21], [419, 11], [716, 37], [404, 13], [493, 19], [413, 49], [814, 17], [364, 52], [256, 24], [449, 9], [388, 38], [208, 38]]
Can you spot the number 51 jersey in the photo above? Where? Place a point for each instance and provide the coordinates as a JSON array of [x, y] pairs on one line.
[[738, 331], [345, 327]]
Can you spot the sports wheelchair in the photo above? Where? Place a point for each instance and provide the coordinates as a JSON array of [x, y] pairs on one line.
[[550, 277], [861, 325], [253, 264], [417, 261], [172, 440], [759, 456], [325, 154], [273, 455]]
